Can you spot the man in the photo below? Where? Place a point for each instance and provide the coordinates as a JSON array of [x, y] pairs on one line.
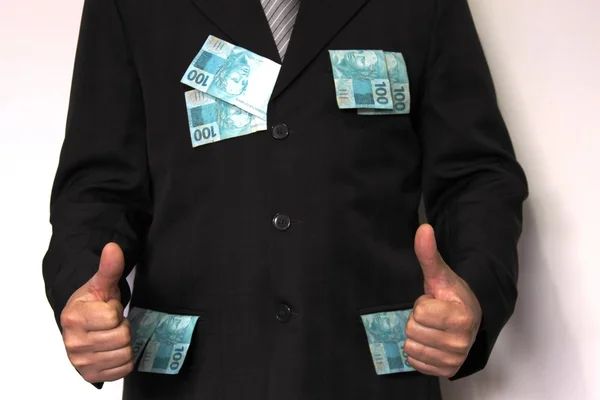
[[279, 241]]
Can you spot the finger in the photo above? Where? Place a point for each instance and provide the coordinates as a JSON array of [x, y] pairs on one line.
[[96, 316], [433, 266], [110, 270], [430, 369], [111, 339], [111, 375], [117, 306], [444, 341], [423, 299], [440, 315], [108, 375], [99, 361], [432, 356]]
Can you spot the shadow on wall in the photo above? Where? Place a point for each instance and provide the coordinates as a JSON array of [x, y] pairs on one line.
[[528, 352]]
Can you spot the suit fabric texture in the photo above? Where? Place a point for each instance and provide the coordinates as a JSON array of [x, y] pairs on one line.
[[197, 222]]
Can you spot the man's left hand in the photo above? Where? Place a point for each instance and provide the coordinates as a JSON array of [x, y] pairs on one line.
[[445, 320]]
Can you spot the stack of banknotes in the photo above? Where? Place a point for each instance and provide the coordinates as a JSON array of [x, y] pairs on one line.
[[161, 340], [373, 81], [232, 88]]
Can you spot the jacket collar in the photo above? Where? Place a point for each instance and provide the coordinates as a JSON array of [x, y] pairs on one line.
[[245, 24]]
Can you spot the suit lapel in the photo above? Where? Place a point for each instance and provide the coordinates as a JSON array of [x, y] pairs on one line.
[[317, 22], [244, 23]]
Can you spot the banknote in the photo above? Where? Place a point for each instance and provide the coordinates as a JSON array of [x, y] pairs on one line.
[[212, 120], [361, 79], [398, 75], [143, 323], [168, 346], [234, 75], [386, 335]]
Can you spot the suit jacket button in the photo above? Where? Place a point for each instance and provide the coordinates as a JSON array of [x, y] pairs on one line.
[[284, 313], [281, 222], [280, 131]]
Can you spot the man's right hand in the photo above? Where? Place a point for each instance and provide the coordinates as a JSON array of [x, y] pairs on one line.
[[96, 334]]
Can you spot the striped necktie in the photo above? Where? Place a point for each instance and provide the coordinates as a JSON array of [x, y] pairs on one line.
[[281, 15]]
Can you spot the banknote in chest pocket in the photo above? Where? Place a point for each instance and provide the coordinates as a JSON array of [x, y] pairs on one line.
[[374, 82], [231, 89]]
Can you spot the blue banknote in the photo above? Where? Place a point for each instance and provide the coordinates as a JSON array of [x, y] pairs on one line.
[[212, 120], [143, 323], [168, 346], [361, 79], [386, 333], [234, 75], [398, 75]]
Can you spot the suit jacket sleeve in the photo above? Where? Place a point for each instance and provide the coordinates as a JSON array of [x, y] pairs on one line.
[[100, 193], [473, 187]]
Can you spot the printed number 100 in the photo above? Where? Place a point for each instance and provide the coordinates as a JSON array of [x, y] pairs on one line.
[[400, 98], [381, 91], [198, 77], [175, 364], [205, 133]]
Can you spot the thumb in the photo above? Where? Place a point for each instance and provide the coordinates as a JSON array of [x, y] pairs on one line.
[[435, 269], [112, 265]]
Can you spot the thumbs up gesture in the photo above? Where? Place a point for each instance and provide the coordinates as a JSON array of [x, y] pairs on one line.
[[445, 320], [95, 333]]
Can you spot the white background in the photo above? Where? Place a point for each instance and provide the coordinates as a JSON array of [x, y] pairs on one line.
[[545, 61]]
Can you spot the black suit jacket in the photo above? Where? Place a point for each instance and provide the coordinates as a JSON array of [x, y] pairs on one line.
[[198, 221]]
